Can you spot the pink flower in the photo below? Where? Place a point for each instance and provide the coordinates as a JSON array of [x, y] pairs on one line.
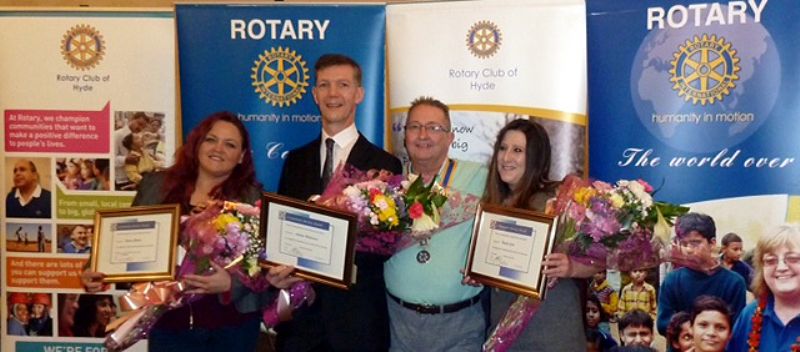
[[602, 186], [416, 211]]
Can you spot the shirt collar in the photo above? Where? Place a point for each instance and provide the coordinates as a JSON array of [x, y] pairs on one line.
[[344, 138], [37, 192]]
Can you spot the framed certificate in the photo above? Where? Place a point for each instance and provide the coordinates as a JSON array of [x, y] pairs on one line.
[[136, 244], [508, 246], [318, 241]]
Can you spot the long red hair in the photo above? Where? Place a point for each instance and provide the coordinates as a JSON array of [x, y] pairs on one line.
[[181, 176]]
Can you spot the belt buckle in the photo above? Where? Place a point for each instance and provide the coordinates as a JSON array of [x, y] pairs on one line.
[[426, 308]]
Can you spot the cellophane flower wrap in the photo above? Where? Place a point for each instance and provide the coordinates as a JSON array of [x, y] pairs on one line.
[[226, 233], [616, 226], [387, 205]]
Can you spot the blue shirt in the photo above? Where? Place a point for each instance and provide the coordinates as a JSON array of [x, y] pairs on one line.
[[774, 335], [744, 270], [682, 286], [16, 328], [70, 247], [439, 280]]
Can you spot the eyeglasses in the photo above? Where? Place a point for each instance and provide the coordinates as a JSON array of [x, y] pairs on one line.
[[432, 128], [788, 259]]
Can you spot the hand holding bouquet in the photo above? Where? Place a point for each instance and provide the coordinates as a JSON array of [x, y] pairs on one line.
[[225, 234]]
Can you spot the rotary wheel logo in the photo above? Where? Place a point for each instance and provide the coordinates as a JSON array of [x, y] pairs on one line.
[[483, 39], [83, 47], [705, 69], [280, 77]]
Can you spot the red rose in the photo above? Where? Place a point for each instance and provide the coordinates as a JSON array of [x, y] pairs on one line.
[[416, 211]]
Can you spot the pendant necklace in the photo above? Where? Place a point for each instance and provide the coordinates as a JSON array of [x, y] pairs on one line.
[[424, 256]]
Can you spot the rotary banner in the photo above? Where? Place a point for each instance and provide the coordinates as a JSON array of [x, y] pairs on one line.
[[492, 62], [257, 61], [86, 96], [699, 99]]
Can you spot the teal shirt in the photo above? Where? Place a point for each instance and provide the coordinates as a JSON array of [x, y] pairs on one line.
[[439, 281]]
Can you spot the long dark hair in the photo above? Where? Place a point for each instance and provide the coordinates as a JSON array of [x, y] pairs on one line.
[[537, 166], [86, 315], [179, 183]]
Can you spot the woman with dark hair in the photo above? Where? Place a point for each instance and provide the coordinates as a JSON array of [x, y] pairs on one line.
[[518, 177], [772, 321], [67, 306], [93, 314], [214, 164]]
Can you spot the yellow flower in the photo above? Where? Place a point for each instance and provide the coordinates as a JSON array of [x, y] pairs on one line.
[[616, 200], [381, 201], [583, 195], [222, 221]]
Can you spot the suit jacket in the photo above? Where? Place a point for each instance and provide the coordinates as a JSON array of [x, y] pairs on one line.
[[354, 320]]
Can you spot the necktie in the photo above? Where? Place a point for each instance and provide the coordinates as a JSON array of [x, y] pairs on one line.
[[327, 171]]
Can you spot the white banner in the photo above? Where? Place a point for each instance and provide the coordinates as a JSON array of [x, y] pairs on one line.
[[492, 62]]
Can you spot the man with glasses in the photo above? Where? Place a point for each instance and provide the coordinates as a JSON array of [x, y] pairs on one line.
[[697, 237], [429, 308], [338, 320]]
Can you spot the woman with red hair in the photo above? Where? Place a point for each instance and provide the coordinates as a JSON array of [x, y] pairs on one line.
[[214, 164]]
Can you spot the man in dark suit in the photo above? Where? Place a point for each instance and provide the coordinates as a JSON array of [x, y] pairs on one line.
[[354, 320]]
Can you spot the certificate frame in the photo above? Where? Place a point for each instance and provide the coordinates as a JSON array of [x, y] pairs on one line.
[[137, 243], [508, 247], [318, 241]]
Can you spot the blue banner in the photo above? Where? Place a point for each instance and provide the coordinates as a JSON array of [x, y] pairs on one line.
[[258, 62], [699, 99]]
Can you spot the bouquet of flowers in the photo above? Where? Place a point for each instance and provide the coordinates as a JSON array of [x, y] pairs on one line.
[[618, 226], [424, 204], [224, 233], [387, 205], [228, 235]]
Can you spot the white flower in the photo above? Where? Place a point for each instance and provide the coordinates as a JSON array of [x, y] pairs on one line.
[[638, 190], [352, 192], [423, 224]]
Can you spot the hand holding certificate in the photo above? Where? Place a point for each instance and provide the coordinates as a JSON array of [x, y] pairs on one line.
[[508, 247]]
